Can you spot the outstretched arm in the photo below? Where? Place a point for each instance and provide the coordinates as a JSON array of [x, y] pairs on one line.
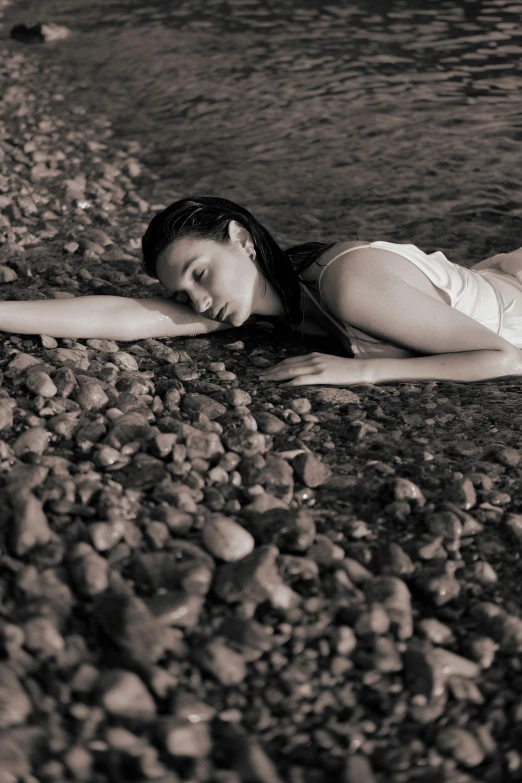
[[106, 317]]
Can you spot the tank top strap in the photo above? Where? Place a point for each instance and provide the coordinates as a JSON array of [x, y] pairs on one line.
[[342, 253]]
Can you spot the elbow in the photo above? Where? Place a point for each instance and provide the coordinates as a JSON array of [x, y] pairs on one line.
[[511, 361]]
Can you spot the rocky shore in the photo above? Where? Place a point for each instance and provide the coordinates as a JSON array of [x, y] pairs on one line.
[[209, 579]]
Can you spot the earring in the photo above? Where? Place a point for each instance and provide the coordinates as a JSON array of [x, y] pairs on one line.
[[253, 255]]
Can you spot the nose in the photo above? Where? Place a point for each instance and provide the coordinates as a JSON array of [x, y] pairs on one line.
[[202, 303]]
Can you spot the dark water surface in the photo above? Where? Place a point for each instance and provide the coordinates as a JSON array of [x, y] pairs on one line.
[[385, 119]]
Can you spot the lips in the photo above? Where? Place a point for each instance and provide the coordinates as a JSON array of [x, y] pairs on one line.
[[219, 316]]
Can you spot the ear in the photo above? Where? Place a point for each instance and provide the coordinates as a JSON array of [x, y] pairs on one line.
[[239, 235]]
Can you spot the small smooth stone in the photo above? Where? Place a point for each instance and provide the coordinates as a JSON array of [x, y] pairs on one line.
[[461, 745], [404, 489], [129, 623], [463, 494], [30, 527], [435, 631], [182, 738], [393, 594], [105, 535], [124, 695], [301, 405], [224, 663], [483, 651], [41, 383], [344, 640], [484, 573], [358, 769], [43, 638], [32, 441], [15, 705], [89, 571], [310, 470], [445, 524], [237, 397], [176, 608], [505, 628], [226, 539]]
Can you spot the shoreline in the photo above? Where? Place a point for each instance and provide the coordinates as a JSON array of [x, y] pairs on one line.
[[372, 630]]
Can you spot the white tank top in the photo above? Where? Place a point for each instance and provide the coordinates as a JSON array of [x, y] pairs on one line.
[[490, 296]]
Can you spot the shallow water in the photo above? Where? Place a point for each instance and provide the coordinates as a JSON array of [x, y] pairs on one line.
[[393, 119]]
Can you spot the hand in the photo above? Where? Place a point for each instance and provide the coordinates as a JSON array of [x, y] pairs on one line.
[[319, 368]]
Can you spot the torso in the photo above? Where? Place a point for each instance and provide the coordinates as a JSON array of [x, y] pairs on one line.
[[314, 318]]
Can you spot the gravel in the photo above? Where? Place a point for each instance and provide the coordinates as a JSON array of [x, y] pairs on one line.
[[202, 582]]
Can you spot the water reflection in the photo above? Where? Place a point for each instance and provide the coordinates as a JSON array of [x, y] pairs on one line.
[[394, 119]]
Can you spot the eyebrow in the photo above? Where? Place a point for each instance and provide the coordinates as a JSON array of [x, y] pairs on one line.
[[184, 269]]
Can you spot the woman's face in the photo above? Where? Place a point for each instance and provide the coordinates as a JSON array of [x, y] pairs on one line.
[[214, 277]]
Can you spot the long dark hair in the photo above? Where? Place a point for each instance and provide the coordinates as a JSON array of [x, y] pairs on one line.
[[207, 217]]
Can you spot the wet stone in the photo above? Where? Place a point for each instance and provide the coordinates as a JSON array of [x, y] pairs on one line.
[[271, 472], [393, 594], [245, 442], [461, 745], [123, 695], [269, 423], [505, 628], [254, 578], [226, 539], [40, 383], [129, 623], [89, 571], [33, 441], [222, 662], [182, 738], [404, 489], [462, 493], [164, 570], [392, 559], [445, 524], [176, 608], [291, 530], [310, 470], [15, 706], [29, 527], [506, 455]]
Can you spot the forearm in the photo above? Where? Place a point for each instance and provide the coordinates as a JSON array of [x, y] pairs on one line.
[[461, 366], [105, 317]]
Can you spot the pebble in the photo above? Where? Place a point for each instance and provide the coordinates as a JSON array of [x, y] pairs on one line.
[[226, 539], [123, 695], [505, 628], [89, 571], [222, 662], [461, 745], [255, 578], [393, 594], [129, 623], [310, 470], [183, 739], [15, 705], [30, 528]]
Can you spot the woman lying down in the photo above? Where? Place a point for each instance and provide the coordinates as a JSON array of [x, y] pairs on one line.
[[401, 314]]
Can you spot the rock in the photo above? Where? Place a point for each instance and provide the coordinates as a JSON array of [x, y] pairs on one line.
[[33, 441], [20, 748], [445, 524], [203, 445], [290, 530], [461, 745], [30, 527], [505, 628], [89, 571], [176, 608], [254, 578], [393, 594], [310, 470], [40, 383], [165, 570], [123, 695], [226, 539], [183, 738], [42, 638], [404, 489], [358, 769], [245, 442], [39, 33], [392, 559], [130, 625], [91, 394], [271, 472], [194, 404], [15, 706], [220, 660]]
